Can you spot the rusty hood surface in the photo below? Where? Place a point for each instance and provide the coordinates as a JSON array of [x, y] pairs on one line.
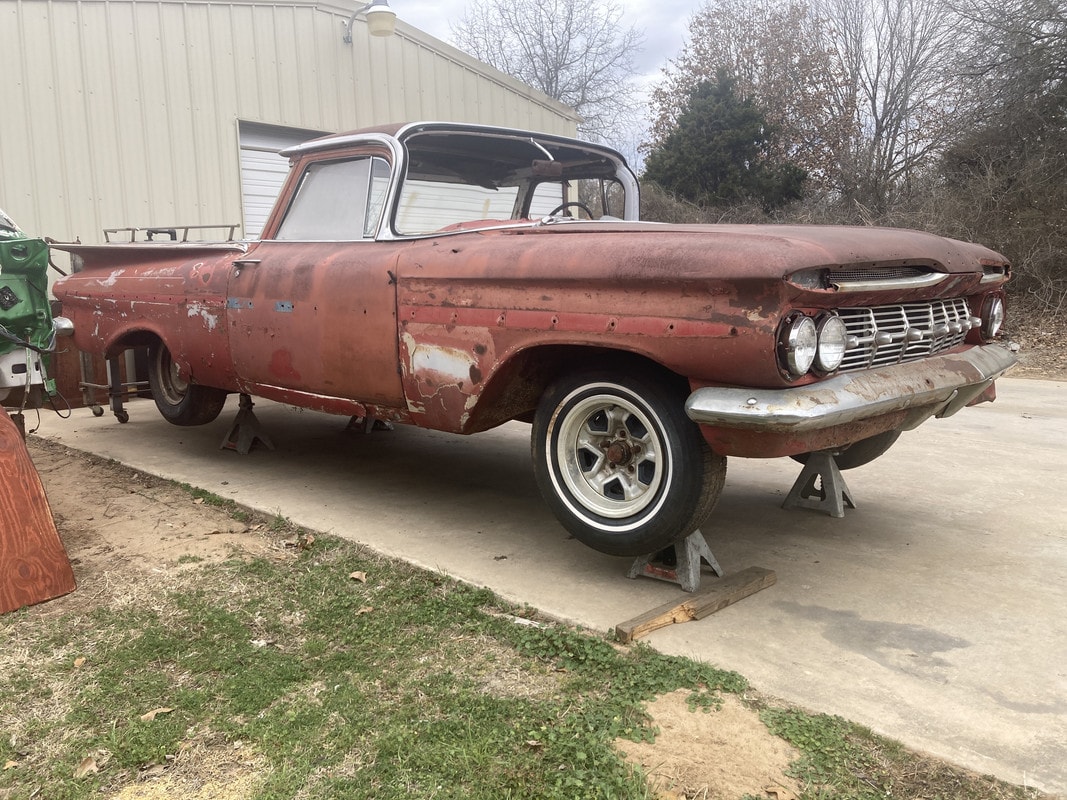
[[770, 250]]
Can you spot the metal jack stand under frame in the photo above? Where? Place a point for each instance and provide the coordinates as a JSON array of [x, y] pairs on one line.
[[832, 493], [246, 430], [686, 556]]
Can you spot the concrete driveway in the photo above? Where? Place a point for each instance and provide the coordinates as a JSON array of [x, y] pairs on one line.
[[933, 613]]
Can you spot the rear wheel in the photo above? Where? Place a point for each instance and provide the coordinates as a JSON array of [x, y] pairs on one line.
[[180, 402], [622, 467], [859, 453]]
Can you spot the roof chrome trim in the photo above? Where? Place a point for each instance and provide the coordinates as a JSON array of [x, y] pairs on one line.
[[337, 141]]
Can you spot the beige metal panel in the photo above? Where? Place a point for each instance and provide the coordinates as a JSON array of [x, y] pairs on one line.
[[218, 86], [211, 88], [99, 176], [16, 170], [129, 150], [156, 177], [174, 122]]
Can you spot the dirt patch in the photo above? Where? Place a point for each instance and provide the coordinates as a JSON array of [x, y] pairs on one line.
[[121, 526], [202, 772], [719, 754]]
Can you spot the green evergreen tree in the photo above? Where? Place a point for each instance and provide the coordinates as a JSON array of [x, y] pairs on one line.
[[717, 153]]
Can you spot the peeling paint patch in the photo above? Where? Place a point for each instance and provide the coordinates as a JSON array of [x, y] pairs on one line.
[[111, 279], [441, 366], [441, 374], [200, 310]]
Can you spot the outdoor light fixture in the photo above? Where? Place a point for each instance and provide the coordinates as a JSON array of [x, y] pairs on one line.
[[381, 20]]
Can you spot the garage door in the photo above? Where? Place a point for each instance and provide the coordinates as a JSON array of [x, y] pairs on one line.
[[263, 171]]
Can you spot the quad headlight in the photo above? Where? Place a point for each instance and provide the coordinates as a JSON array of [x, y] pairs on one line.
[[833, 342], [804, 344], [799, 344]]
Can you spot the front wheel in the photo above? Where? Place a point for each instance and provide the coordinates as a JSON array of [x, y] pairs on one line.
[[180, 402], [621, 466]]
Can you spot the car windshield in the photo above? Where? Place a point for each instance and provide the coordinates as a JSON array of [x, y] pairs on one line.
[[457, 177]]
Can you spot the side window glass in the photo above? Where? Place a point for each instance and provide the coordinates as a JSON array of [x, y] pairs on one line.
[[337, 201]]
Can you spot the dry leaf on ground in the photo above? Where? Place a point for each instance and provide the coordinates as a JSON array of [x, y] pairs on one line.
[[87, 766]]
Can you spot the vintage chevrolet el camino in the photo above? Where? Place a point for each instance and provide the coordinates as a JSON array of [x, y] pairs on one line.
[[456, 277]]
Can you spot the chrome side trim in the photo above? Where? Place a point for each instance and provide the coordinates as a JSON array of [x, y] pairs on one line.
[[937, 384]]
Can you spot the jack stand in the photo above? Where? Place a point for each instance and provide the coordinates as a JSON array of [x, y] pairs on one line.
[[246, 430], [680, 563], [367, 424], [833, 492]]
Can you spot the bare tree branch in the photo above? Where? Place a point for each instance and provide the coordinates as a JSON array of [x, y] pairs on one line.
[[864, 93], [575, 52]]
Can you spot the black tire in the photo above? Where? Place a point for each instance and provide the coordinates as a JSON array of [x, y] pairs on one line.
[[180, 402], [619, 463], [859, 453]]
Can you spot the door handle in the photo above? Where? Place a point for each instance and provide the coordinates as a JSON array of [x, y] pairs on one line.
[[241, 263]]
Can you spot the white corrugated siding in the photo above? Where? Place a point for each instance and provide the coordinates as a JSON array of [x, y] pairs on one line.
[[262, 175], [119, 113], [263, 171]]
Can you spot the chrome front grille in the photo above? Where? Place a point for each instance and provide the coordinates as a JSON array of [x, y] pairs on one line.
[[890, 334]]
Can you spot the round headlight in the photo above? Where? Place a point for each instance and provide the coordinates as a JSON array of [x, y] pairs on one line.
[[992, 317], [833, 342], [800, 341]]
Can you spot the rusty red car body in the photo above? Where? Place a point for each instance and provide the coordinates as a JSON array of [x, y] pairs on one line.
[[423, 274]]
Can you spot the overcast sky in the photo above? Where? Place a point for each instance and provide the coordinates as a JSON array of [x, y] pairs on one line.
[[663, 23]]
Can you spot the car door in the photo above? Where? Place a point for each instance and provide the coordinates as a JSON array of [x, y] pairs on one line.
[[312, 309]]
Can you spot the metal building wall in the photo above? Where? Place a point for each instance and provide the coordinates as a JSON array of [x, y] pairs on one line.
[[124, 112]]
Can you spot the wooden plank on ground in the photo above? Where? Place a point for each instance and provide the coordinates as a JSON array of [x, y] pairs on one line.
[[720, 594], [33, 562]]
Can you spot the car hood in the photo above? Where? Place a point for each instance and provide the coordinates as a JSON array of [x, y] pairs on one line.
[[777, 250]]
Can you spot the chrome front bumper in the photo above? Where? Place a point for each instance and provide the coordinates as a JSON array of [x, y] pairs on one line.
[[934, 386]]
